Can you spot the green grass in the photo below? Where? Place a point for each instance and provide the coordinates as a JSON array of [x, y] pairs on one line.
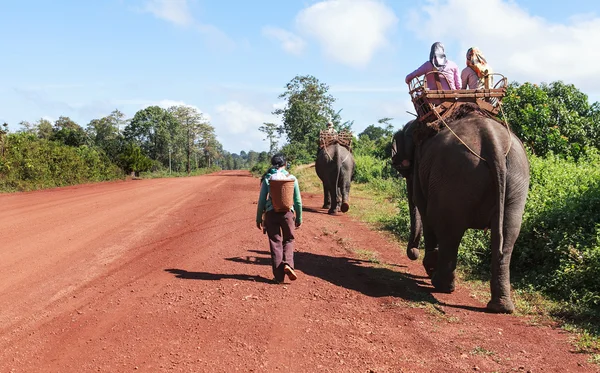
[[481, 351]]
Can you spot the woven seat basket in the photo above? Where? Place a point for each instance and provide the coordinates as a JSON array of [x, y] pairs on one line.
[[326, 138], [282, 194]]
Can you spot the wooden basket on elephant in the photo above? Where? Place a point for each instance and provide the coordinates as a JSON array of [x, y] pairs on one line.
[[432, 104], [344, 138], [282, 194]]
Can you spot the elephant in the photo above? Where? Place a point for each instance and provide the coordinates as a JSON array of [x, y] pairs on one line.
[[335, 167], [471, 174]]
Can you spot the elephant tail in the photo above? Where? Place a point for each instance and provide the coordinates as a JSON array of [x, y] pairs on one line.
[[499, 170], [340, 163]]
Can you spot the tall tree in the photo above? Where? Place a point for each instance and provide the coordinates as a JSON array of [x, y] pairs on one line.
[[68, 132], [211, 148], [44, 129], [307, 110], [26, 127], [105, 133], [273, 132], [153, 129], [191, 122], [376, 140], [553, 117]]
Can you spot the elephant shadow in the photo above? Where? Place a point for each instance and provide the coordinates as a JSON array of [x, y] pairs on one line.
[[354, 274]]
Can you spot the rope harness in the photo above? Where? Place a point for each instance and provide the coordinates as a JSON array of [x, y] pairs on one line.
[[504, 123], [331, 158]]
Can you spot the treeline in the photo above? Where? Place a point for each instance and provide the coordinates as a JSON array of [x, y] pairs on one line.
[[244, 160], [175, 140]]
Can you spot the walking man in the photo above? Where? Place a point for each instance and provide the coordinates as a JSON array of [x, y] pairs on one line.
[[280, 226]]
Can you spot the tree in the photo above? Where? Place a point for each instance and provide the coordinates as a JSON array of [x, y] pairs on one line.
[[190, 122], [44, 129], [307, 110], [65, 123], [153, 129], [26, 127], [105, 133], [273, 133], [132, 159], [3, 133], [209, 146], [68, 132], [553, 118], [252, 158]]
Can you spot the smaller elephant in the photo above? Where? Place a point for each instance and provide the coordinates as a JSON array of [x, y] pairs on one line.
[[335, 167]]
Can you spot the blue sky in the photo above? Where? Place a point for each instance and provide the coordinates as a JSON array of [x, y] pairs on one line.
[[232, 58]]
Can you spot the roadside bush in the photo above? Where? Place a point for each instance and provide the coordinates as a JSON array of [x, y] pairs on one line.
[[260, 168], [30, 163], [368, 168], [559, 246]]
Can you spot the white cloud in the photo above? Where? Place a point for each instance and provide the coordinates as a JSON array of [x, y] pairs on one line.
[[236, 125], [179, 13], [517, 44], [349, 31], [280, 105], [241, 119], [367, 89], [290, 42], [175, 11]]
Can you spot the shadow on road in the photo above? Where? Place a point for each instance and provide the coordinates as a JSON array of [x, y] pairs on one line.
[[181, 273], [354, 274], [315, 211]]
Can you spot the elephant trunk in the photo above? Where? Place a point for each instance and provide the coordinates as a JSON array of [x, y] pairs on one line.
[[416, 226]]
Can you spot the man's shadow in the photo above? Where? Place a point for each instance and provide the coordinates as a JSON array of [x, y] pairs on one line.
[[181, 273], [354, 274]]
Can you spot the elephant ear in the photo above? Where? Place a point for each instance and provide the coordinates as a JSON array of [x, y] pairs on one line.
[[401, 153]]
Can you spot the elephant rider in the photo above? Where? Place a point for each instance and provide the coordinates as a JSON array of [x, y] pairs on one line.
[[477, 73], [330, 128], [327, 136], [438, 62], [279, 226]]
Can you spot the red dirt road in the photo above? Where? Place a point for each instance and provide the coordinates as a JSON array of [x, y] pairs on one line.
[[172, 275]]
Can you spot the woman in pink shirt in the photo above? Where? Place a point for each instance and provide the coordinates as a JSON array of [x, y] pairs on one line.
[[438, 62]]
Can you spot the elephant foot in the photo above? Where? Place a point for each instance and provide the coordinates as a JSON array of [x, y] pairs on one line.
[[443, 286], [345, 207], [503, 305], [430, 262], [413, 253], [332, 212], [326, 206]]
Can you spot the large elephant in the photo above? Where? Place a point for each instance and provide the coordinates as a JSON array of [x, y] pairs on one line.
[[473, 173], [335, 166]]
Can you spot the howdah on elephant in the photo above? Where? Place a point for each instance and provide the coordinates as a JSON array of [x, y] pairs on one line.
[[473, 173], [335, 166]]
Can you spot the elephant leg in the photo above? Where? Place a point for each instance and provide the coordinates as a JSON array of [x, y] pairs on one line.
[[326, 197], [345, 193], [444, 277], [501, 301], [430, 259], [333, 208]]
